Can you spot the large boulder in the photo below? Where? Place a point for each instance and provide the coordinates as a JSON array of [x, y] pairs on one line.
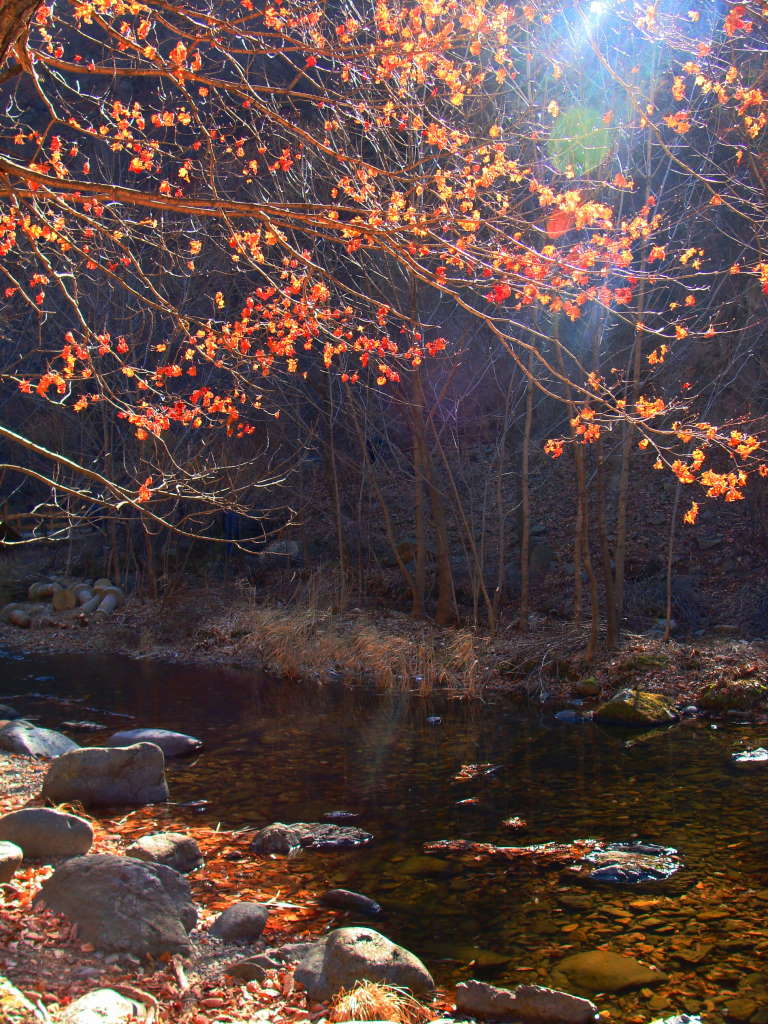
[[21, 737], [173, 849], [104, 1006], [636, 708], [349, 955], [15, 1008], [603, 971], [280, 838], [43, 833], [530, 1004], [123, 905], [172, 744], [103, 776], [11, 857], [242, 922]]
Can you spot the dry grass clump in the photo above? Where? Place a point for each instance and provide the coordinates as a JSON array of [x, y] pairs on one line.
[[307, 642], [371, 1000]]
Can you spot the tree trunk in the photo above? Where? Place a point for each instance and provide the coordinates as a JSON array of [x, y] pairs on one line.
[[525, 508], [15, 16]]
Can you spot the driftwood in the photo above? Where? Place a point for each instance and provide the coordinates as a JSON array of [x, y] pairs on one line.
[[544, 853]]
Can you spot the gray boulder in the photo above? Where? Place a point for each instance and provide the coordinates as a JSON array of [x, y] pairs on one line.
[[42, 832], [529, 1004], [242, 922], [104, 1006], [123, 905], [172, 744], [349, 955], [173, 849], [11, 857], [15, 1008], [21, 737], [102, 776]]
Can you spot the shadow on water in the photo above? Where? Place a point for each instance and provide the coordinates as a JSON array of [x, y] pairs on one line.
[[279, 751]]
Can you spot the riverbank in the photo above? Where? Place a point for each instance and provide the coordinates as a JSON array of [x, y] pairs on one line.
[[389, 650], [42, 955]]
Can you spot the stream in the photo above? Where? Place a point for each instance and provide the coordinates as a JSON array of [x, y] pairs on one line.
[[282, 751]]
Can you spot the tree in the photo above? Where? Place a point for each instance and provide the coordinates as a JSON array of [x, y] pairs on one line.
[[200, 199]]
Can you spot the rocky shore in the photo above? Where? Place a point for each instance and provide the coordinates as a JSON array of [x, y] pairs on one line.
[[147, 917]]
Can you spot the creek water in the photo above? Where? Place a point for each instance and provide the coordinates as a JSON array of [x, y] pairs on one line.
[[282, 751]]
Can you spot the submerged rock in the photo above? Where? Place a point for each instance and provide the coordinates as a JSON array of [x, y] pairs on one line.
[[683, 1018], [418, 865], [340, 817], [42, 832], [349, 955], [603, 971], [280, 838], [344, 899], [529, 1004], [636, 708], [750, 760], [21, 737], [7, 713], [572, 717], [123, 905], [632, 864]]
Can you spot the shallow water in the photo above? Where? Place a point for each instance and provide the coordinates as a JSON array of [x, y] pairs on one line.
[[279, 751]]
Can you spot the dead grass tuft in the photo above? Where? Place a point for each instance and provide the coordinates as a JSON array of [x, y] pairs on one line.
[[371, 1000], [307, 642]]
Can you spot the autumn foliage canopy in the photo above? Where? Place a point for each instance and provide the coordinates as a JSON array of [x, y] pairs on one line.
[[196, 196]]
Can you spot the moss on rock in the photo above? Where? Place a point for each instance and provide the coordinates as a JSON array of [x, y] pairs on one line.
[[636, 708]]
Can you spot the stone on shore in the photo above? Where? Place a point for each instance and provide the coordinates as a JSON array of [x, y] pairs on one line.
[[349, 955], [104, 1006], [15, 1008], [44, 833], [173, 849], [104, 776], [11, 857], [242, 922], [123, 905], [21, 737]]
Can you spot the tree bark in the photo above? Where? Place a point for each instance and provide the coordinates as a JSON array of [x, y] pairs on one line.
[[15, 16]]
